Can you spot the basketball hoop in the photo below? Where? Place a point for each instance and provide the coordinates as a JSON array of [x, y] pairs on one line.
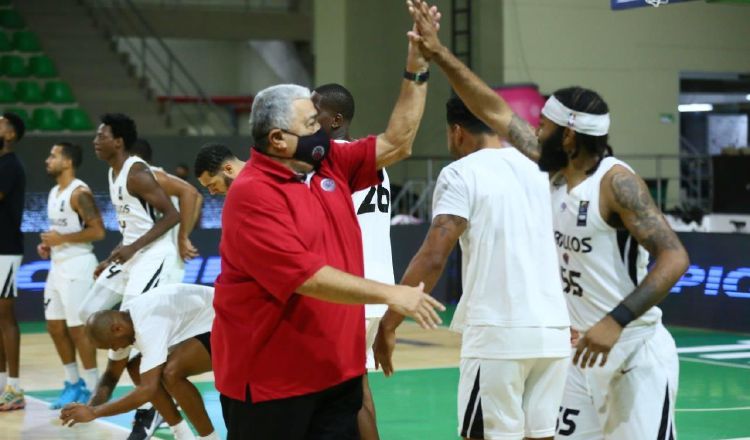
[[656, 3]]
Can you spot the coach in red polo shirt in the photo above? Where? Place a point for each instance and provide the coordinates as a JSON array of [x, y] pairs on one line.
[[288, 338]]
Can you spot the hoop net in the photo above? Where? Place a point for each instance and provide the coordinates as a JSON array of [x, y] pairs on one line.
[[656, 3]]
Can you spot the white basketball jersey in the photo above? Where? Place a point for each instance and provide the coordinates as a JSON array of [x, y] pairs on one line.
[[509, 264], [174, 232], [600, 265], [373, 209], [134, 215], [65, 220]]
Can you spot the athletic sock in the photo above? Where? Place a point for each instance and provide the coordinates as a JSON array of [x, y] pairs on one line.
[[90, 377], [71, 372], [212, 436], [3, 380], [182, 431], [15, 383]]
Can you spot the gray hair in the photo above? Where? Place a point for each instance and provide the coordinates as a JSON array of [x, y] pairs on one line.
[[272, 108]]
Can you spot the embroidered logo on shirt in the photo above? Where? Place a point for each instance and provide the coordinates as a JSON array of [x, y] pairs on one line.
[[583, 212], [328, 185], [563, 206]]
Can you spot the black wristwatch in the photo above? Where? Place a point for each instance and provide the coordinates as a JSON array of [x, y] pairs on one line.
[[419, 77]]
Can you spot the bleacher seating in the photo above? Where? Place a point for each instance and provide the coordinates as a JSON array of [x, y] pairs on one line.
[[30, 85]]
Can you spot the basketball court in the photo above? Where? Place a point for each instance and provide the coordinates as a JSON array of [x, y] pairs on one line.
[[419, 401]]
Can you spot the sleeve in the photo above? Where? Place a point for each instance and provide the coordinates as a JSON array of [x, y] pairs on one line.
[[154, 341], [451, 194], [266, 245], [8, 176], [356, 162]]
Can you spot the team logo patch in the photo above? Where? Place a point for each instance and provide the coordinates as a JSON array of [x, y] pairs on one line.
[[318, 152], [328, 185], [583, 212]]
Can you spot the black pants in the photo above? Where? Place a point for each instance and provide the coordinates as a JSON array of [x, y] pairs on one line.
[[330, 414]]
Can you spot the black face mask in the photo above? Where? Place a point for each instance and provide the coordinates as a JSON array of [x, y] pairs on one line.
[[312, 148], [553, 158]]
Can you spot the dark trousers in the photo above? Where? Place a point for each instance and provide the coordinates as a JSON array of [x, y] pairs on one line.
[[330, 414]]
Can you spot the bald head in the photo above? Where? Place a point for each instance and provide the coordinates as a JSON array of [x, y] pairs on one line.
[[110, 329]]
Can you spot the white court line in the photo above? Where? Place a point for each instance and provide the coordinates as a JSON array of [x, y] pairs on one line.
[[719, 363], [103, 422], [734, 355], [738, 408], [742, 345]]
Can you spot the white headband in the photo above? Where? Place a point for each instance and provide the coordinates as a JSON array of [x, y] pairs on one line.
[[585, 123]]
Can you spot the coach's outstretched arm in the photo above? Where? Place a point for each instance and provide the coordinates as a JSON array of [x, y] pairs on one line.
[[475, 93], [396, 142], [333, 285], [625, 195]]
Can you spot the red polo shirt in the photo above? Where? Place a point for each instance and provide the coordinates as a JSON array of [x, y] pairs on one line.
[[277, 231]]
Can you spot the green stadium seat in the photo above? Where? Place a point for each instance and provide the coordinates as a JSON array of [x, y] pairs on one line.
[[11, 19], [42, 67], [23, 114], [25, 41], [14, 66], [46, 119], [76, 119], [5, 45], [29, 92], [7, 95], [58, 92]]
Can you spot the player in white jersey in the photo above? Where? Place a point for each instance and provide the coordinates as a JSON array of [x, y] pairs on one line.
[[216, 167], [171, 328], [188, 202], [145, 216], [623, 382], [74, 223], [515, 328], [335, 105]]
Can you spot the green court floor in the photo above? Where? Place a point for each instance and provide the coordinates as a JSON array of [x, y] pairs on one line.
[[713, 400]]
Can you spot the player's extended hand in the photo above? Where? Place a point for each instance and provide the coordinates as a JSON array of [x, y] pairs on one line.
[[100, 268], [52, 238], [575, 336], [599, 340], [187, 250], [414, 303], [427, 24], [121, 254], [76, 413], [43, 250], [382, 348]]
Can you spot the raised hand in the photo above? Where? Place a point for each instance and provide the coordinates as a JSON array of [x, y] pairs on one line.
[[426, 26]]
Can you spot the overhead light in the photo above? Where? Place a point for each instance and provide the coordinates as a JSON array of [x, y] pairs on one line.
[[695, 107], [747, 97]]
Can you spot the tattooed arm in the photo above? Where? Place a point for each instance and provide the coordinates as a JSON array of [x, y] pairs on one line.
[[426, 267], [626, 195], [484, 102], [82, 202]]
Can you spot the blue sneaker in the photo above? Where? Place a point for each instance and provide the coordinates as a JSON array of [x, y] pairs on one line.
[[69, 395], [84, 395]]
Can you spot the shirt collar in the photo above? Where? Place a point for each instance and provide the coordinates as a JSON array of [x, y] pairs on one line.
[[273, 168]]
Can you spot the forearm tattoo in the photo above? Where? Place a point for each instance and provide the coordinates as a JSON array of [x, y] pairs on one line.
[[523, 137]]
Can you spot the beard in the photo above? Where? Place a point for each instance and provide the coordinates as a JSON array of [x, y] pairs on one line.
[[553, 158], [227, 181]]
